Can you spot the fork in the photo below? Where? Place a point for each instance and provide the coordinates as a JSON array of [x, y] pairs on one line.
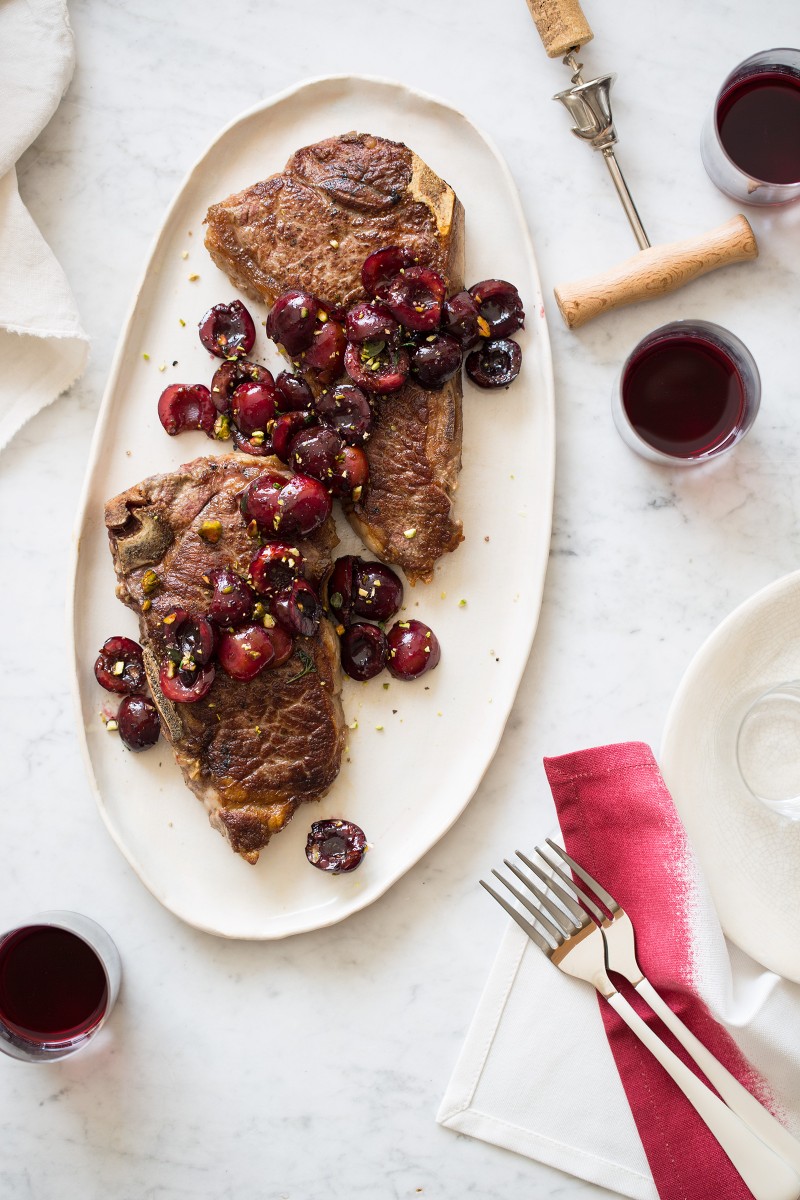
[[621, 957], [577, 946]]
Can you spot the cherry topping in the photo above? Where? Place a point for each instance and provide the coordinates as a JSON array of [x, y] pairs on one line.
[[460, 319], [357, 587], [231, 375], [258, 446], [371, 322], [298, 608], [435, 360], [139, 723], [351, 472], [292, 320], [346, 409], [376, 366], [500, 306], [326, 355], [282, 644], [315, 452], [232, 602], [380, 268], [365, 651], [294, 393], [120, 666], [275, 567], [415, 298], [227, 330], [259, 500], [191, 645], [285, 427], [253, 406], [184, 406], [335, 846], [246, 651], [303, 505], [413, 649], [495, 363], [185, 687]]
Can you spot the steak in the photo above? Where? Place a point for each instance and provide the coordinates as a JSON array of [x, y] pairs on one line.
[[251, 751], [310, 227]]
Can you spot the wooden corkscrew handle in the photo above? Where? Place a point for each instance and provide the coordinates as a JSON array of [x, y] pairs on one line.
[[561, 25], [656, 271]]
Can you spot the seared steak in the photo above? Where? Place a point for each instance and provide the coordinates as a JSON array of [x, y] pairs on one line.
[[311, 227], [251, 751]]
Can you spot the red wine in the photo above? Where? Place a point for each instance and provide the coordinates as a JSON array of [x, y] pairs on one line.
[[758, 118], [683, 395], [52, 984]]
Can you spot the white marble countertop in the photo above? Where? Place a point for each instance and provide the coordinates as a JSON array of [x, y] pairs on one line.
[[314, 1066]]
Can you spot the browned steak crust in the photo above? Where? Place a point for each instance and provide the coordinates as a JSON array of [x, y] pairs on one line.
[[252, 752], [311, 227]]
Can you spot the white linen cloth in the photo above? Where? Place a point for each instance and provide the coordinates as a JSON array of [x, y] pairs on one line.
[[43, 348], [536, 1074]]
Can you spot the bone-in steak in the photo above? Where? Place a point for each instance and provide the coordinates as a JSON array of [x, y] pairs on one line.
[[251, 751], [311, 227]]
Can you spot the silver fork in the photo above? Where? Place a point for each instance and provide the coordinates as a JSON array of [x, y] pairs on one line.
[[577, 946], [621, 957]]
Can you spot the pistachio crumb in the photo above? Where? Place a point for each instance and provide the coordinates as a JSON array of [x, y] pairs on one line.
[[462, 604], [409, 533], [210, 531], [112, 726], [185, 254], [146, 357], [379, 728], [181, 322], [193, 278]]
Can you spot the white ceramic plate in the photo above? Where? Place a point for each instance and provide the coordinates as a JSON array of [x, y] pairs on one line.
[[420, 749], [750, 855]]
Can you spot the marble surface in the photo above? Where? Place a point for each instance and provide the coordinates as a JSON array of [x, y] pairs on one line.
[[313, 1067]]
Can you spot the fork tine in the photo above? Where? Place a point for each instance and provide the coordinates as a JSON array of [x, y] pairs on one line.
[[599, 891], [598, 914], [556, 934], [564, 922], [565, 898], [532, 933]]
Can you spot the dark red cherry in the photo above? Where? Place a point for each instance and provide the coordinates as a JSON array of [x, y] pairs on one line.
[[303, 505], [376, 366], [500, 306], [282, 645], [347, 410], [284, 429], [315, 451], [185, 687], [415, 298], [246, 651], [227, 330], [364, 651], [361, 588], [326, 354], [292, 320], [351, 472], [298, 609], [253, 406], [436, 359], [139, 723], [194, 639], [382, 267], [371, 323], [294, 393], [258, 446], [232, 601], [335, 846], [259, 500], [495, 363], [413, 649], [460, 319], [184, 406], [231, 375], [120, 666], [275, 567]]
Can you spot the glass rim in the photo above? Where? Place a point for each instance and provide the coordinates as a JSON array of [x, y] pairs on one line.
[[729, 79]]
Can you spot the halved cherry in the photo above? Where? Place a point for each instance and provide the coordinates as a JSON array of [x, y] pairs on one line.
[[294, 394], [460, 319], [314, 451], [364, 651], [415, 298], [284, 429], [292, 321], [184, 406], [194, 639], [347, 410], [184, 687], [120, 666], [246, 651], [350, 473], [500, 306], [275, 567], [362, 588], [282, 644], [371, 322], [253, 406], [227, 330], [303, 505], [381, 267], [298, 609], [376, 366], [231, 375], [326, 354], [335, 846], [257, 446], [232, 602], [494, 363]]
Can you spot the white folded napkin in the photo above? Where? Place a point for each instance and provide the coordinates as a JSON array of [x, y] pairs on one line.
[[536, 1073], [43, 348]]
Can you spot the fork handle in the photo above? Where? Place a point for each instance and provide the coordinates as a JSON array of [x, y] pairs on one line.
[[730, 1089], [768, 1176]]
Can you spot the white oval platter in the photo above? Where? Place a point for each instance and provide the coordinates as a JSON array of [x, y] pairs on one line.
[[419, 750]]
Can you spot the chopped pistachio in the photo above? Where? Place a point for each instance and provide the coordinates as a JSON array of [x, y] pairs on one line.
[[148, 604], [118, 667], [185, 254], [409, 533], [112, 726], [483, 327], [193, 278], [462, 604], [182, 323], [379, 728], [222, 427], [268, 621], [150, 581], [146, 357], [334, 244], [170, 618], [211, 531], [353, 724]]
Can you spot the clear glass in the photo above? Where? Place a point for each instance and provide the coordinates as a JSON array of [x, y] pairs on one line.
[[35, 1049], [720, 167], [733, 349], [768, 749]]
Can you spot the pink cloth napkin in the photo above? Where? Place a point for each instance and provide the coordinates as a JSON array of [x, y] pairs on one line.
[[619, 823]]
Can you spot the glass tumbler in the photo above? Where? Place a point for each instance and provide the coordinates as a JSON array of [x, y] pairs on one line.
[[768, 749]]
